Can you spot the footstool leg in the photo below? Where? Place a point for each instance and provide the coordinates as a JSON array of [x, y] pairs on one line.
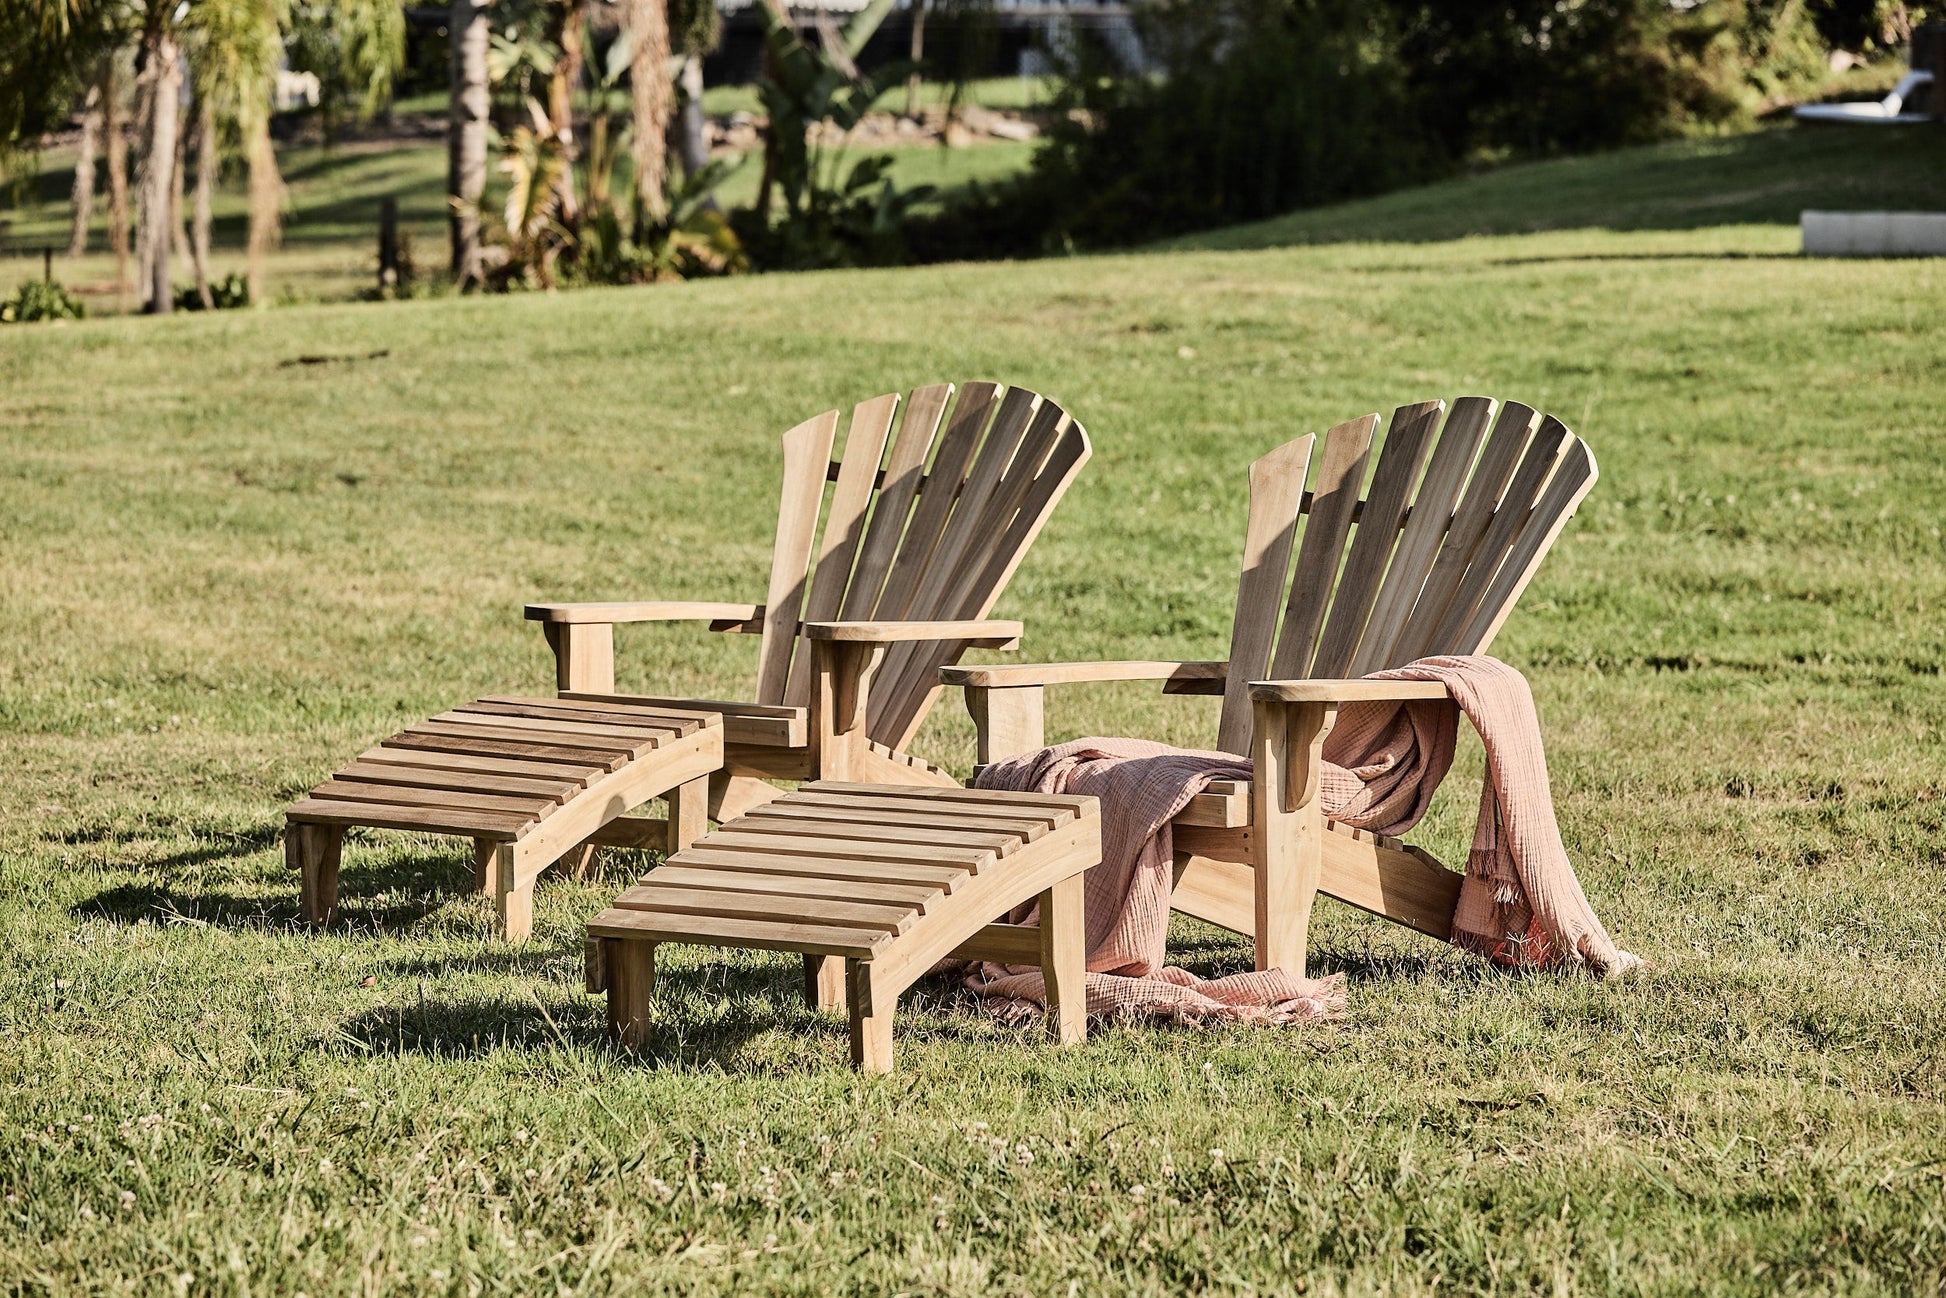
[[688, 813], [871, 1022], [630, 970], [514, 904], [579, 862], [824, 982], [314, 851], [1064, 960]]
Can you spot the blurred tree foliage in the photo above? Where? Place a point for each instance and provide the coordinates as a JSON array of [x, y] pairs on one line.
[[1256, 107]]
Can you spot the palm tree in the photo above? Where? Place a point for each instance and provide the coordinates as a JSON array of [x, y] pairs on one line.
[[652, 98], [158, 79], [55, 52], [466, 148]]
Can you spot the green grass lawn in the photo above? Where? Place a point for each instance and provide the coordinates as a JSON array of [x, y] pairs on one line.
[[225, 573]]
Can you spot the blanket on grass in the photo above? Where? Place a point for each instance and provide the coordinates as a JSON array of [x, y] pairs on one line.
[[1520, 903]]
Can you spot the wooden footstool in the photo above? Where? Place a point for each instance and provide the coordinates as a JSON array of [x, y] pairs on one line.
[[887, 879], [530, 780]]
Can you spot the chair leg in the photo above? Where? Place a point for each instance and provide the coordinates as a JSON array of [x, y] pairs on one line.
[[483, 849], [688, 813], [824, 982], [871, 1022], [1287, 745], [1287, 887], [513, 902], [630, 970], [1064, 960], [315, 850]]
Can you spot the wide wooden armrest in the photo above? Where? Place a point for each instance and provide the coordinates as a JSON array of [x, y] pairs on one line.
[[985, 633], [1019, 675], [727, 617], [1353, 691]]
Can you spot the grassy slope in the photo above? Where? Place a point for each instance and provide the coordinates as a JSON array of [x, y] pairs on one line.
[[1767, 177], [225, 574]]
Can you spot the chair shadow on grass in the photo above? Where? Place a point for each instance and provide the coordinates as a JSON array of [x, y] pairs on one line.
[[1211, 952], [392, 895], [701, 1017]]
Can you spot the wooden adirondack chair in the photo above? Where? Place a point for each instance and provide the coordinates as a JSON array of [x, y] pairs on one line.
[[1456, 522], [916, 547]]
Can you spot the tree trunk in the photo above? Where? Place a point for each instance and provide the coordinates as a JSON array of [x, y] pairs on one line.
[[158, 170], [178, 175], [692, 137], [117, 132], [650, 97], [84, 170], [466, 136], [266, 200], [918, 53], [142, 128], [560, 99], [205, 188]]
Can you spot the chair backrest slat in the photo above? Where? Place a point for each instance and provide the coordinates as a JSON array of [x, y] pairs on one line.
[[1008, 521], [982, 476], [1407, 442], [844, 525], [903, 472], [1456, 525], [1276, 494], [807, 450], [937, 494], [909, 541], [1574, 477], [1505, 445], [1432, 513], [1334, 495], [1550, 442]]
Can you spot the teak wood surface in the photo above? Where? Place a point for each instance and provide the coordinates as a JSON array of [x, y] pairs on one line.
[[873, 884], [901, 543], [1349, 567], [530, 780]]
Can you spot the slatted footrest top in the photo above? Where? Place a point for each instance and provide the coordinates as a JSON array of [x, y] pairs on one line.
[[873, 884], [528, 779]]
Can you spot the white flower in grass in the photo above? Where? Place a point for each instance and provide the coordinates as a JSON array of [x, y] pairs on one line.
[[1216, 1157], [86, 1213], [1023, 1155], [128, 1198], [1138, 1192], [521, 1135]]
